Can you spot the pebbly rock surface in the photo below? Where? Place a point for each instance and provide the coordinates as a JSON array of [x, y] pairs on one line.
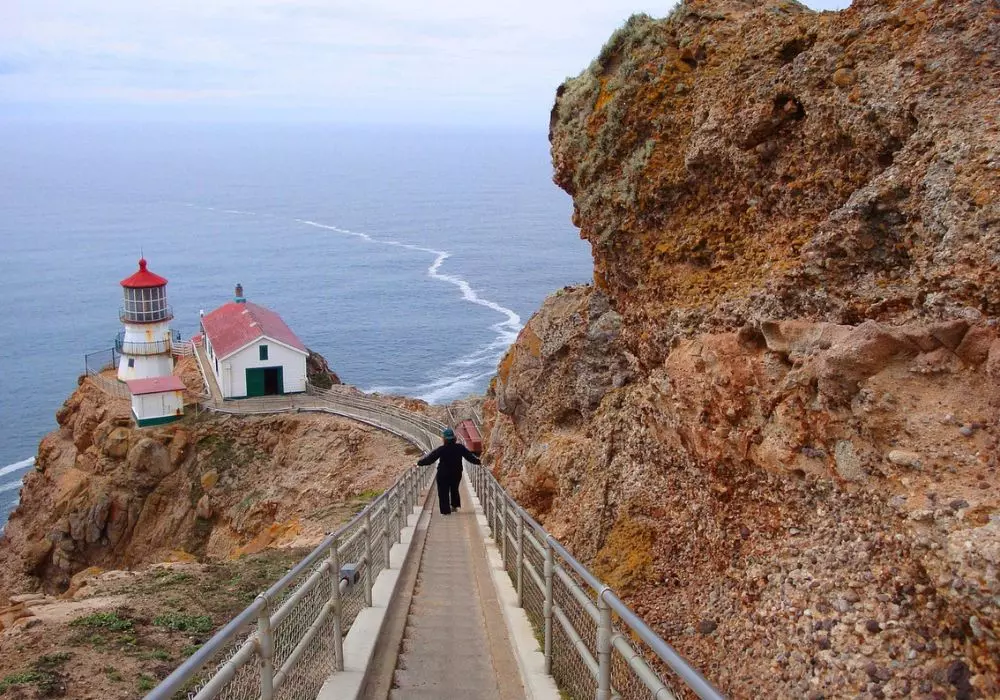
[[772, 421]]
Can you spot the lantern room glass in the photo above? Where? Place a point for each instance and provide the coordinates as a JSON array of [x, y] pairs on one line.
[[146, 305]]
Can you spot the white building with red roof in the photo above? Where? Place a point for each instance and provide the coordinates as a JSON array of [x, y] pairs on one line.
[[252, 351], [156, 400]]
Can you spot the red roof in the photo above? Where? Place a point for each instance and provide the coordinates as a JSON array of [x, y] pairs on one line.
[[143, 278], [155, 385], [232, 326]]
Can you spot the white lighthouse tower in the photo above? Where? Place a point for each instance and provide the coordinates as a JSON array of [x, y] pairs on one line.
[[144, 344]]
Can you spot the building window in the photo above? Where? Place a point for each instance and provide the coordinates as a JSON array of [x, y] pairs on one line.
[[263, 352], [131, 362], [217, 365]]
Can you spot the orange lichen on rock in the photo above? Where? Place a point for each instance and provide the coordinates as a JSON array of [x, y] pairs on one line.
[[786, 368]]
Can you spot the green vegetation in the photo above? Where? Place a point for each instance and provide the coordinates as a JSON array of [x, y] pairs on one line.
[[180, 622], [112, 674], [43, 674], [146, 683], [189, 650], [104, 620], [166, 577], [157, 654]]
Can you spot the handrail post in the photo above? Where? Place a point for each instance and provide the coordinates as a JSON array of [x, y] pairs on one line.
[[265, 642], [400, 516], [503, 530], [520, 560], [407, 502], [368, 559], [548, 606], [385, 534], [338, 608], [603, 648]]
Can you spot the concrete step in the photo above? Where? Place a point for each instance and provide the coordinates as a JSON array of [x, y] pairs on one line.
[[442, 694], [434, 636], [421, 658], [440, 675]]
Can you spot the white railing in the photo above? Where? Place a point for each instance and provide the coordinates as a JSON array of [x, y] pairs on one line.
[[595, 646], [290, 639]]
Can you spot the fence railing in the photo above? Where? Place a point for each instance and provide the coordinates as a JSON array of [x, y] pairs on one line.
[[110, 386], [182, 348], [595, 646], [290, 640], [130, 347]]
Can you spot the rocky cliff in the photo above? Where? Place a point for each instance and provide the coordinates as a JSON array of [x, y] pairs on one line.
[[209, 487], [772, 419], [130, 547]]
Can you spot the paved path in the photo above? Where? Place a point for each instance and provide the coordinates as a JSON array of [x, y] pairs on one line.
[[455, 644]]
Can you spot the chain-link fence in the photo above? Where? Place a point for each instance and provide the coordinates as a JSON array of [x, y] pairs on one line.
[[594, 645], [290, 640]]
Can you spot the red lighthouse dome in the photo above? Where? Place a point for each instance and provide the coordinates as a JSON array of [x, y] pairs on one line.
[[143, 278]]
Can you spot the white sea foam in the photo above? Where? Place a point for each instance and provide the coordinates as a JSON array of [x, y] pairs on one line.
[[18, 466], [456, 383], [10, 486]]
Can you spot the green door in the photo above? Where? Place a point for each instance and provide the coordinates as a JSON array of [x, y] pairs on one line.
[[255, 382]]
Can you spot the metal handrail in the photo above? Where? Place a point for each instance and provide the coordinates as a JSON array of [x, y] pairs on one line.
[[130, 347], [319, 565], [601, 608]]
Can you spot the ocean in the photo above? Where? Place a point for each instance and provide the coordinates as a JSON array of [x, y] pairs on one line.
[[409, 258]]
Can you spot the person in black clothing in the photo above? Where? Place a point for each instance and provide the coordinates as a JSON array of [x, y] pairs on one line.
[[449, 470]]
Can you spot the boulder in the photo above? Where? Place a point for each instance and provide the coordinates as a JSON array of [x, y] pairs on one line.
[[148, 462], [180, 445], [117, 443], [975, 346], [865, 351], [204, 508]]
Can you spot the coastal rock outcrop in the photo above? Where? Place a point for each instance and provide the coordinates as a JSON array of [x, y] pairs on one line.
[[771, 421], [109, 495]]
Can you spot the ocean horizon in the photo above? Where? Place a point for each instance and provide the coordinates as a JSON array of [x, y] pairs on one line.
[[410, 259]]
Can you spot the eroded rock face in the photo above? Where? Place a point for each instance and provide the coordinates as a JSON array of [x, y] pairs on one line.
[[795, 221], [110, 495], [757, 159]]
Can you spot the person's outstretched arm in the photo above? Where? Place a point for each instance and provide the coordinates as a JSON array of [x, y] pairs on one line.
[[430, 457], [470, 455]]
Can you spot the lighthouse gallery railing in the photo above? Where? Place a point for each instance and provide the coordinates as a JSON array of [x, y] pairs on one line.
[[290, 640]]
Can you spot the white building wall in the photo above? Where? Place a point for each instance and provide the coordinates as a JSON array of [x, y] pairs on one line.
[[233, 379], [145, 366], [167, 403]]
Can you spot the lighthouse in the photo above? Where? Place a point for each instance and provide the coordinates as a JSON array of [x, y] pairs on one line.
[[144, 343]]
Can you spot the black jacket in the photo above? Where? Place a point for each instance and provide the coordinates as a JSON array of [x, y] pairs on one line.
[[449, 458]]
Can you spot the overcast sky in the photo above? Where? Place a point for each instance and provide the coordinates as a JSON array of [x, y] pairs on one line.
[[492, 62]]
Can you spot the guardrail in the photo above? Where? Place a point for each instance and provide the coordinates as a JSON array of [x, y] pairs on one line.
[[111, 387], [130, 347], [290, 640], [595, 646]]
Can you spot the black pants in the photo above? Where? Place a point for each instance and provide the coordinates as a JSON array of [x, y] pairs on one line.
[[448, 497]]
